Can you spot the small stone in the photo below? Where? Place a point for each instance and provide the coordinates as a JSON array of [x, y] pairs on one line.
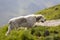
[[56, 8], [46, 33], [55, 32]]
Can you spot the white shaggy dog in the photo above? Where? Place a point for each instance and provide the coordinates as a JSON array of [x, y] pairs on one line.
[[24, 21]]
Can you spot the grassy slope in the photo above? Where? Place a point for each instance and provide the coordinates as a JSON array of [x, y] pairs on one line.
[[36, 33], [51, 13], [33, 33]]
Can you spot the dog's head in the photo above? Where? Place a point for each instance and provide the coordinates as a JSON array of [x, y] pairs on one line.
[[40, 18]]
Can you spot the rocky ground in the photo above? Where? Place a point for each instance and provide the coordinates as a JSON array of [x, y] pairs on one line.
[[50, 23]]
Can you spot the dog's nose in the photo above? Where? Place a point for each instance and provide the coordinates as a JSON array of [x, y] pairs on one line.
[[42, 21]]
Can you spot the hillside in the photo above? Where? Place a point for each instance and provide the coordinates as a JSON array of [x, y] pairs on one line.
[[36, 33], [51, 13]]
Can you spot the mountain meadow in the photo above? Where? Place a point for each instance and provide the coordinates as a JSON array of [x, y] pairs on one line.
[[39, 32]]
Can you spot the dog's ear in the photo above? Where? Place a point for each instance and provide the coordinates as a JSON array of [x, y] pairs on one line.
[[38, 18]]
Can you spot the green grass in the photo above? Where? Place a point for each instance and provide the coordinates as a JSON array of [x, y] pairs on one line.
[[16, 34], [27, 34], [51, 13], [36, 33]]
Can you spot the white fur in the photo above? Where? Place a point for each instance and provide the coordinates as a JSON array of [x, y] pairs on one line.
[[14, 22]]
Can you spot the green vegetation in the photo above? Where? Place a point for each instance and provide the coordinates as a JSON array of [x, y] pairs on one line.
[[51, 13], [36, 33]]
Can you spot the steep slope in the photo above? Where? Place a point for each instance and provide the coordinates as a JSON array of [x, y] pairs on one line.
[[51, 13], [36, 33]]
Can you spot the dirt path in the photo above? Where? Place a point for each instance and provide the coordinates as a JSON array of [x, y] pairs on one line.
[[50, 23]]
